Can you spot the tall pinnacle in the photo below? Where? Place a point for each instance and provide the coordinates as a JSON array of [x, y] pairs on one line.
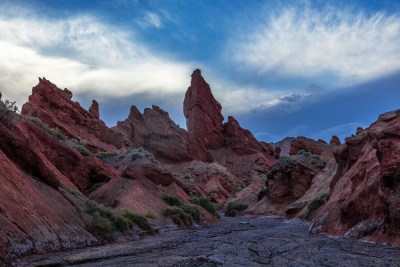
[[203, 113]]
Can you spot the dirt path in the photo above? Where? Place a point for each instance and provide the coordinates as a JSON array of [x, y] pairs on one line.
[[242, 241]]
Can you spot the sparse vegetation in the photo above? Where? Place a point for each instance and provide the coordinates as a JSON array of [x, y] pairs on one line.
[[317, 202], [193, 210], [8, 112], [263, 191], [138, 153], [206, 203], [178, 216], [150, 215], [94, 187], [172, 200], [104, 222], [83, 150], [138, 219], [105, 155], [180, 213], [234, 208]]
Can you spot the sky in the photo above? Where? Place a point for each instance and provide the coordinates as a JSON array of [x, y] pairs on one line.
[[281, 68]]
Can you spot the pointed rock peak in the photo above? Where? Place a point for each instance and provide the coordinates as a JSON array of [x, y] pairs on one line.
[[335, 140], [134, 114], [94, 110], [203, 112]]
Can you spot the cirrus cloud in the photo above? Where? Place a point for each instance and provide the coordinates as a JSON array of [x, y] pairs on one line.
[[347, 46], [83, 54]]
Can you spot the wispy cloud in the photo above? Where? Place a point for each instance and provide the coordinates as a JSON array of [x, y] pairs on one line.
[[83, 54], [239, 99], [347, 46], [342, 131], [150, 19]]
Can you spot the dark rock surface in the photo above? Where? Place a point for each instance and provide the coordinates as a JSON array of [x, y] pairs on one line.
[[241, 241]]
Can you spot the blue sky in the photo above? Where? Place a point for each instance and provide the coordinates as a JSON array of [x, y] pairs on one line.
[[282, 68]]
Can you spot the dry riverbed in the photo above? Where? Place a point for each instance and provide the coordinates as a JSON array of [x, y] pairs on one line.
[[243, 241]]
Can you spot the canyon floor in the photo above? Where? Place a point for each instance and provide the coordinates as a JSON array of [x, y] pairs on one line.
[[240, 241]]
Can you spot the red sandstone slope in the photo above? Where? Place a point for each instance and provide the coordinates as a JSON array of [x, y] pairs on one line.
[[364, 199]]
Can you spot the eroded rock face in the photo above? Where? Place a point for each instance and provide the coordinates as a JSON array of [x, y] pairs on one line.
[[365, 192], [156, 132], [307, 144], [35, 217], [291, 177], [203, 113], [55, 107]]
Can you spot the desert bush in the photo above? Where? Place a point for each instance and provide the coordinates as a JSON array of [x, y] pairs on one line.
[[150, 215], [263, 191], [136, 156], [94, 187], [234, 208], [178, 216], [138, 219], [301, 152], [8, 112], [193, 210], [104, 155], [101, 226], [74, 192], [104, 222], [83, 150], [206, 203], [194, 198], [317, 202], [172, 200]]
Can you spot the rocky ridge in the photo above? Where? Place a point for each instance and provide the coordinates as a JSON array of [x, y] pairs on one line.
[[57, 156]]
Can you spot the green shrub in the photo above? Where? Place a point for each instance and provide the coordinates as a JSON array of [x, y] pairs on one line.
[[234, 208], [172, 200], [193, 210], [94, 187], [206, 203], [83, 150], [104, 155], [56, 133], [178, 216], [317, 202], [262, 193], [101, 226], [150, 215], [136, 156], [301, 152], [74, 192], [8, 112], [137, 219], [105, 223]]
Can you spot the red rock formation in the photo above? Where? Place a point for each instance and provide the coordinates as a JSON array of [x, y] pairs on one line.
[[54, 107], [156, 132], [242, 141], [335, 141], [291, 177], [307, 144], [35, 217], [365, 192], [203, 113]]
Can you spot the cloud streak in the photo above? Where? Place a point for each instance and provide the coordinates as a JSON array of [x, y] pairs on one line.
[[349, 47], [85, 55]]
